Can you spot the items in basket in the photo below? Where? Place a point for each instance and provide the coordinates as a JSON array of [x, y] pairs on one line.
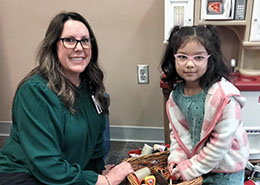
[[147, 149], [161, 159], [148, 180], [162, 171], [160, 179], [157, 175], [142, 173]]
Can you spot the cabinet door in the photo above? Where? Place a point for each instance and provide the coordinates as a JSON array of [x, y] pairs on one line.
[[177, 12], [255, 24]]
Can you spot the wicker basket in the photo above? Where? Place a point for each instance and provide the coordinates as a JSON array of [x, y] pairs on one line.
[[161, 159]]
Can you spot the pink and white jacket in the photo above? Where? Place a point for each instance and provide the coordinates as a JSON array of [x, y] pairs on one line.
[[223, 146]]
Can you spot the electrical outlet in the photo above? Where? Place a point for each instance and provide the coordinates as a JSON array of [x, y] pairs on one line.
[[143, 73]]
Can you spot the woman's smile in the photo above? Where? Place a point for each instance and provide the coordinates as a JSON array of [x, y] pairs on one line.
[[77, 59]]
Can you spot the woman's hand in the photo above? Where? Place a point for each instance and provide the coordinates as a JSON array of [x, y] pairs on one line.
[[119, 172], [108, 168]]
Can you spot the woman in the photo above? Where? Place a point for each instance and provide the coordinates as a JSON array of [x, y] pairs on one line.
[[58, 114]]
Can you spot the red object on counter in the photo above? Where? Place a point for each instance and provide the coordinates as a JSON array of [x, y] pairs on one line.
[[242, 82], [163, 84], [246, 82], [249, 182]]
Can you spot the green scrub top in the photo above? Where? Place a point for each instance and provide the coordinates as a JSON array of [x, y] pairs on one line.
[[49, 142]]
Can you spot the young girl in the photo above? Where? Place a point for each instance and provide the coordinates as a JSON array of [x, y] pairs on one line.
[[204, 109]]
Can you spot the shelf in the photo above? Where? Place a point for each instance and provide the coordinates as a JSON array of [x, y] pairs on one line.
[[249, 72], [251, 45], [223, 22], [254, 161]]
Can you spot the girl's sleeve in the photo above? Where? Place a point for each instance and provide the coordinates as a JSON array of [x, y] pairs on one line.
[[177, 153], [217, 146], [40, 128], [179, 134]]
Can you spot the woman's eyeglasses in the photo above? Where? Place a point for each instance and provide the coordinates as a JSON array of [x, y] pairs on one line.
[[71, 43], [183, 59]]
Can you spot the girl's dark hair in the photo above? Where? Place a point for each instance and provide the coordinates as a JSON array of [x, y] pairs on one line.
[[50, 68], [208, 36]]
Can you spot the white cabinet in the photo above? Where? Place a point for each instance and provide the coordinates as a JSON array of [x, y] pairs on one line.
[[255, 24], [177, 12], [247, 32]]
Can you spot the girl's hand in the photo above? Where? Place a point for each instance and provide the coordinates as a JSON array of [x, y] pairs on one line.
[[176, 173], [171, 165], [119, 172]]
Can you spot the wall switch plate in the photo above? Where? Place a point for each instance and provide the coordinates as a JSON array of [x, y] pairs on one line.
[[143, 73]]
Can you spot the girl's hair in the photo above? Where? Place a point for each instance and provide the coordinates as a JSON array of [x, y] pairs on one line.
[[208, 36], [50, 67]]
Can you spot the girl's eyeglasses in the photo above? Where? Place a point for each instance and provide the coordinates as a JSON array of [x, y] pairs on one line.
[[183, 59], [71, 43]]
